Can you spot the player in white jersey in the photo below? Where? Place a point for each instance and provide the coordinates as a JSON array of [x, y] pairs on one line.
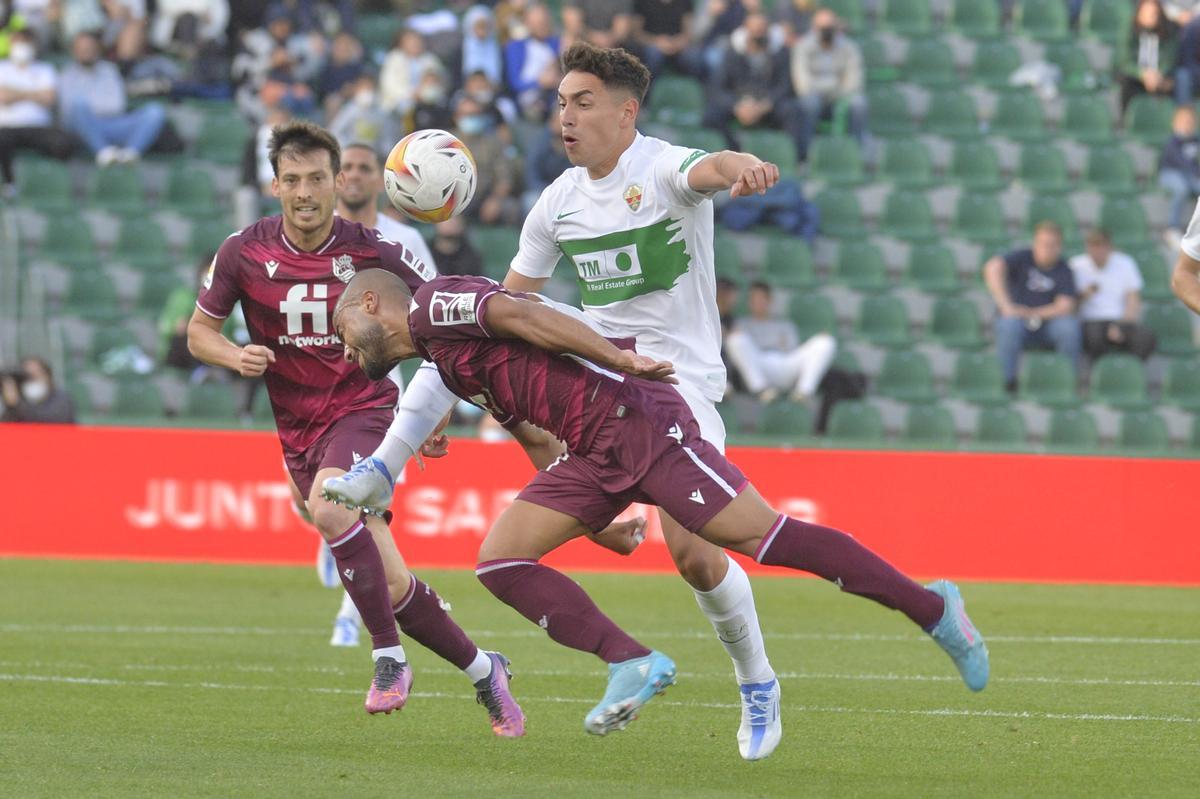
[[1185, 281], [635, 218]]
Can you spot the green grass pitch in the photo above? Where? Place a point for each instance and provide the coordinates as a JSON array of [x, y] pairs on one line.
[[121, 679]]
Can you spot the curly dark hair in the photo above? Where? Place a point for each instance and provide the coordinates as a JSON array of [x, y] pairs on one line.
[[616, 68], [299, 137]]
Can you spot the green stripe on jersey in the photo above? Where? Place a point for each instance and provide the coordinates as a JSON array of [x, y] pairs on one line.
[[629, 263], [696, 154]]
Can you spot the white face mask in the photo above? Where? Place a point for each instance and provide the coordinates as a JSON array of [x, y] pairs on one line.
[[21, 52], [34, 390], [365, 98]]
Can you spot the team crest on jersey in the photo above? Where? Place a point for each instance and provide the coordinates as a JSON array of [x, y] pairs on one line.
[[633, 196], [208, 276], [447, 308], [343, 268]]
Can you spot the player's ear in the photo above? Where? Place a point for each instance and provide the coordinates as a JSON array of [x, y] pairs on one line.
[[370, 302], [629, 112], [275, 187], [339, 181]]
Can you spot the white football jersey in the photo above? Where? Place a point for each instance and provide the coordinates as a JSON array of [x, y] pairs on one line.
[[641, 243]]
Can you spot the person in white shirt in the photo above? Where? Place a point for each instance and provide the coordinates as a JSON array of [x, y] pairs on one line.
[[1110, 300], [28, 92]]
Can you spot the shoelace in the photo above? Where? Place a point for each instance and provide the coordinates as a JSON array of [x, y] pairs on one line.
[[758, 707], [387, 672], [487, 697]]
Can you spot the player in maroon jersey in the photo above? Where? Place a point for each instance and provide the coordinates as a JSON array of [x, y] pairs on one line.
[[287, 272], [627, 440]]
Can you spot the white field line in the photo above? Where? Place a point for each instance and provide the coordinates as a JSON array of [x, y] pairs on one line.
[[944, 711], [154, 629]]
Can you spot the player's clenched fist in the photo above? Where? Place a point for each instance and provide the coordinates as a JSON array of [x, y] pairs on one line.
[[755, 179], [254, 360]]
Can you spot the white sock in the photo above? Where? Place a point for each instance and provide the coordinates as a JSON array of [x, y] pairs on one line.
[[424, 403], [480, 667], [347, 610], [394, 453], [730, 608], [394, 652]]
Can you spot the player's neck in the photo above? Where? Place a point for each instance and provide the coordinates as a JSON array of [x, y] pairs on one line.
[[366, 215], [606, 167], [307, 242]]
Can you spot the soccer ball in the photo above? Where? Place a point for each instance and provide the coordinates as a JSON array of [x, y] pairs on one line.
[[430, 176]]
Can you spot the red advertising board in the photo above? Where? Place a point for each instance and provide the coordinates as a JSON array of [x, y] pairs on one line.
[[93, 492]]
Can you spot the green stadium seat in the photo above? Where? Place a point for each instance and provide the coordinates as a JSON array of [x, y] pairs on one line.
[[191, 192], [1047, 378], [141, 243], [260, 407], [1143, 432], [890, 118], [701, 139], [855, 423], [1042, 20], [378, 31], [155, 288], [978, 378], [878, 67], [1088, 119], [1019, 116], [1052, 209], [929, 427], [730, 417], [1072, 430], [956, 324], [44, 184], [976, 166], [1172, 324], [1194, 440], [930, 63], [812, 314], [223, 138], [1156, 275], [883, 321], [932, 269], [906, 376], [68, 239], [499, 245], [841, 215], [907, 215], [1118, 380], [1075, 67], [1181, 385], [677, 100], [92, 295], [995, 62], [861, 266], [771, 145], [1043, 168], [1000, 427], [118, 189], [1125, 220], [849, 11], [208, 235], [727, 256], [1110, 171], [837, 160], [953, 114], [789, 263], [1107, 20], [907, 17], [110, 337], [211, 401], [139, 399], [977, 19], [979, 218], [1148, 119], [786, 419]]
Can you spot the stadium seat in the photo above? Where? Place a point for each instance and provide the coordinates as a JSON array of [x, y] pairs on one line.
[[701, 139], [677, 100], [1043, 168], [1156, 275], [932, 269], [978, 378], [118, 189], [786, 419], [211, 401], [1047, 378], [929, 427], [907, 215], [1172, 324], [837, 160], [841, 216], [855, 423], [1052, 209], [956, 324], [1042, 20], [1019, 116], [377, 31], [1181, 385], [878, 66], [771, 145], [1143, 432], [907, 17], [191, 192], [1000, 428], [849, 11], [92, 295], [979, 218], [1148, 119], [44, 184], [1118, 380], [155, 288], [789, 263], [1125, 220], [207, 237], [952, 113], [883, 321], [1075, 68], [727, 256], [930, 63], [498, 246], [730, 418], [1107, 20], [906, 376], [108, 338], [223, 138], [995, 61], [1110, 171], [139, 399], [68, 239], [977, 19], [260, 407], [1073, 430], [890, 118], [976, 166], [141, 244], [860, 265], [812, 314], [1088, 119]]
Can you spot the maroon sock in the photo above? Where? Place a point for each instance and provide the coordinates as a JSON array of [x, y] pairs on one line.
[[840, 559], [423, 619], [558, 605], [361, 570]]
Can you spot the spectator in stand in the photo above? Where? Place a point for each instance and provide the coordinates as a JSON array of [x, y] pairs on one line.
[[1110, 299], [362, 120], [35, 15], [481, 51], [663, 30], [182, 25], [453, 251], [531, 65], [1148, 54], [338, 81], [1179, 169], [28, 89], [827, 69], [768, 355], [604, 23], [31, 395], [125, 34], [285, 87], [260, 54], [1034, 291], [74, 17], [496, 168], [411, 74], [510, 20], [502, 110], [752, 86], [1181, 12], [1187, 72], [92, 104], [795, 18], [545, 160], [173, 320]]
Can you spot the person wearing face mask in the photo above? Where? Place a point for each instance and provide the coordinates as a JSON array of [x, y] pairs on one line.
[[827, 69], [337, 82], [480, 48], [454, 251], [31, 396], [496, 201], [410, 75], [362, 120], [502, 110], [28, 88]]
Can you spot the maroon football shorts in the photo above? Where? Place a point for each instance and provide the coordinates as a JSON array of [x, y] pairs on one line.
[[347, 441], [648, 450]]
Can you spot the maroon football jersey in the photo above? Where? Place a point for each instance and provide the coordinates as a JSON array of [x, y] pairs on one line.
[[512, 379], [288, 297]]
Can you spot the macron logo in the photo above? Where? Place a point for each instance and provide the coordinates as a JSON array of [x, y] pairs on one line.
[[544, 623], [349, 574], [355, 456], [696, 497], [676, 432], [271, 267]]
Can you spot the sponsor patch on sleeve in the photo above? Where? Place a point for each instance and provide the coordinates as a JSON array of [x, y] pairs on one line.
[[447, 308], [691, 159], [208, 276]]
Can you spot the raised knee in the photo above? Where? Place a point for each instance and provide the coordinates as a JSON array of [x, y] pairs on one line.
[[702, 568], [331, 520]]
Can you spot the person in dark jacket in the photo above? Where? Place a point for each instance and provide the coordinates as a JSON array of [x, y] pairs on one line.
[[1179, 165], [1148, 55], [32, 396]]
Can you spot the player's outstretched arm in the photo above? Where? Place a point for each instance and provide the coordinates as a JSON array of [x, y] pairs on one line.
[[741, 173], [1185, 281], [208, 344]]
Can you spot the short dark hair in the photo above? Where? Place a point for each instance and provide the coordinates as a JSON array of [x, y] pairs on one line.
[[300, 137], [761, 285], [616, 68], [1098, 235], [362, 145]]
